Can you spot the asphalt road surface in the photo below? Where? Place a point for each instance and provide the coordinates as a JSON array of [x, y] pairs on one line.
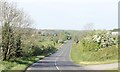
[[61, 61], [57, 61]]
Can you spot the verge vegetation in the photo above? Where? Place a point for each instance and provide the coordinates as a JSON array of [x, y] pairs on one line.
[[95, 47]]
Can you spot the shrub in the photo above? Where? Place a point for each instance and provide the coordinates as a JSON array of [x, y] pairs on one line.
[[36, 50], [55, 39], [32, 50], [90, 45], [49, 49]]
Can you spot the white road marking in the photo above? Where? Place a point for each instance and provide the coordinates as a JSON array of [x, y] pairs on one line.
[[56, 62], [57, 59]]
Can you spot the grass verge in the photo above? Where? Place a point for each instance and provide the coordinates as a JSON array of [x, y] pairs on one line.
[[19, 63], [103, 56]]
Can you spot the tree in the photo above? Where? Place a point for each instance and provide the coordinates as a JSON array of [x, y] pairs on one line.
[[89, 26], [13, 21]]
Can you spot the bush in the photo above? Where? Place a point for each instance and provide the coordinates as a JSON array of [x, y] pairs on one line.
[[55, 39], [27, 50], [97, 40], [32, 50], [90, 45], [37, 50], [105, 39], [49, 49]]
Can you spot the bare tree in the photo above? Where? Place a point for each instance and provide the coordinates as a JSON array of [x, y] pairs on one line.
[[89, 26], [13, 20]]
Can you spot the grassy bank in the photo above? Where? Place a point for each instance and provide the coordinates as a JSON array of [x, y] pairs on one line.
[[19, 63], [103, 56]]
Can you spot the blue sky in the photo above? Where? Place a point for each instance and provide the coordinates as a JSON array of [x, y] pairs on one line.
[[71, 14]]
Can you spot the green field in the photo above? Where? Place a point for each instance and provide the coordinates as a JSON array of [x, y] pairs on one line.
[[103, 56]]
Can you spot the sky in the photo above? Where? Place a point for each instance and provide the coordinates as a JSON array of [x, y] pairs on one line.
[[71, 14]]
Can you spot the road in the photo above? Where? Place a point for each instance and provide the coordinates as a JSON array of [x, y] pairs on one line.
[[57, 61], [61, 61]]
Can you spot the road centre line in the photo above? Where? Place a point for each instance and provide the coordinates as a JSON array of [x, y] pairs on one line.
[[57, 59]]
